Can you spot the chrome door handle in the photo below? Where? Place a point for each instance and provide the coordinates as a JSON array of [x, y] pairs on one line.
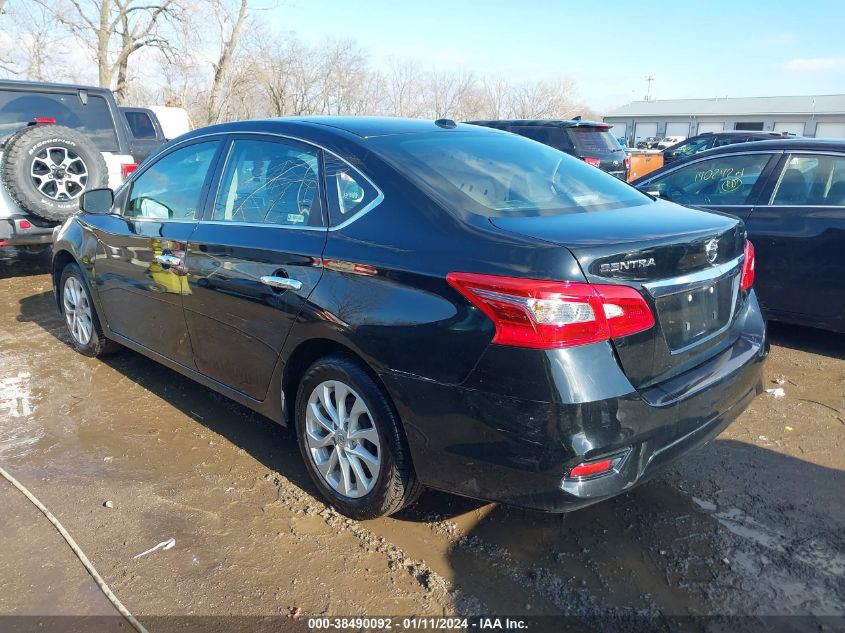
[[168, 260], [285, 283]]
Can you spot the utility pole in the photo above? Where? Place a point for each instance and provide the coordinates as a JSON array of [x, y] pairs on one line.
[[649, 79]]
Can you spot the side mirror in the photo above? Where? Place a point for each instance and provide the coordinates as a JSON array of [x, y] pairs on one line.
[[97, 201]]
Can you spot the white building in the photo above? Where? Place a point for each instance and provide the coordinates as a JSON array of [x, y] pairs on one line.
[[820, 116]]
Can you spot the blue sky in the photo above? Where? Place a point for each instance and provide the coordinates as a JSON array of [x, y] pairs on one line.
[[694, 49]]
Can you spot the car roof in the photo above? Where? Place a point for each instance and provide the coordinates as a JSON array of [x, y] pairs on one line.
[[370, 126], [542, 123], [789, 144], [340, 126], [47, 86], [764, 133]]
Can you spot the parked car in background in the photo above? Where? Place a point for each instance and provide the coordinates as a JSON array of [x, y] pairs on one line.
[[667, 141], [709, 140], [590, 141], [426, 304], [58, 141], [649, 142], [791, 195], [145, 134], [174, 121]]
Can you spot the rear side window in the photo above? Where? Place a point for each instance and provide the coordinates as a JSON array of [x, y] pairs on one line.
[[140, 124], [726, 180], [593, 140], [18, 108], [348, 192], [270, 182], [552, 136], [811, 180], [498, 175], [170, 188]]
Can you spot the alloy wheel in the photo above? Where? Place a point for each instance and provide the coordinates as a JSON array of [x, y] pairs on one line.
[[59, 173], [78, 312], [342, 439]]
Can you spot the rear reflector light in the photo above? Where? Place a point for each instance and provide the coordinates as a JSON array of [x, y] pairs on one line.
[[747, 279], [44, 120], [127, 168], [595, 162], [594, 468], [554, 314], [25, 224]]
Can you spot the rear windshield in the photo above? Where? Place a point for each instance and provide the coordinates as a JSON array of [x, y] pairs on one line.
[[18, 108], [593, 140], [504, 175]]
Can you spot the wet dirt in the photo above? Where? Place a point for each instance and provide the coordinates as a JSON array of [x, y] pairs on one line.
[[751, 524]]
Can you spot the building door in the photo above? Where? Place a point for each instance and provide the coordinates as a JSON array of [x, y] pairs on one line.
[[792, 128], [830, 130], [677, 129], [643, 130], [710, 126]]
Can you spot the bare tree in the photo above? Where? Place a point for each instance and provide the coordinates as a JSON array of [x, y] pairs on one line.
[[230, 19], [113, 30]]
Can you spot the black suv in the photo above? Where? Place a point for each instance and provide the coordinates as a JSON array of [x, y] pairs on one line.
[[58, 140], [709, 140], [590, 141]]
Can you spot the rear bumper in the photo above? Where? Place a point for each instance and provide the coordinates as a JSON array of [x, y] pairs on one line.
[[516, 449], [13, 232]]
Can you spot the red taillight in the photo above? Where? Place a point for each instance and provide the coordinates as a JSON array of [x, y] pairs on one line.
[[747, 279], [553, 314], [594, 468], [627, 163], [595, 162], [127, 168], [44, 120], [25, 224]]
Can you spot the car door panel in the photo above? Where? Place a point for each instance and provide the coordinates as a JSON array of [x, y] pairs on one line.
[[239, 323], [140, 294], [800, 271]]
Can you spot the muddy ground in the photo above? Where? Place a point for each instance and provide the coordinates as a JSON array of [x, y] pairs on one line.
[[753, 524]]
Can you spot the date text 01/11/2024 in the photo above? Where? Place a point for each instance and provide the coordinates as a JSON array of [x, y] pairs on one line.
[[417, 623]]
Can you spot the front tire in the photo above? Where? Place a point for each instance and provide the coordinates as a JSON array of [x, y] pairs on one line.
[[77, 307], [352, 441]]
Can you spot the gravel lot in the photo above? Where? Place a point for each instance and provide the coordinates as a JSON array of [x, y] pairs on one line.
[[752, 524]]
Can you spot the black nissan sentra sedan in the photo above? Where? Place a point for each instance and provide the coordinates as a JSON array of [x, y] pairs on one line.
[[428, 304]]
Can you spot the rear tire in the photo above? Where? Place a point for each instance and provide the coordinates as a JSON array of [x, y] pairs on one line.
[[77, 307], [359, 461]]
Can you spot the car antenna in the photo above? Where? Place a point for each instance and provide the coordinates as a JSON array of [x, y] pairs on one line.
[[447, 124]]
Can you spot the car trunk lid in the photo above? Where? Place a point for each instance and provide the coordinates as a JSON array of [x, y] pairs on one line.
[[686, 263]]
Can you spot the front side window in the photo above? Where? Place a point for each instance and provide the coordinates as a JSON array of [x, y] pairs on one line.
[[726, 180], [270, 182], [170, 188], [727, 139], [811, 180], [348, 192], [498, 175]]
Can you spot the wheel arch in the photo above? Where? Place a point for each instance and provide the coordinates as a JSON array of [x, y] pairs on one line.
[[305, 354]]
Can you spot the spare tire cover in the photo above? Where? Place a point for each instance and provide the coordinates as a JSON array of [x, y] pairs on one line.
[[46, 168]]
